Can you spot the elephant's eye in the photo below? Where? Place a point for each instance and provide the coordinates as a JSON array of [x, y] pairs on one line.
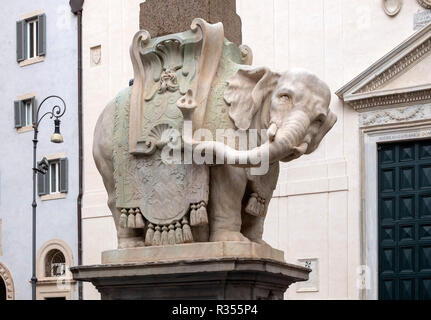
[[284, 97]]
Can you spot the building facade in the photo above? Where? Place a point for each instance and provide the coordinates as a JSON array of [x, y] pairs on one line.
[[357, 210], [38, 59]]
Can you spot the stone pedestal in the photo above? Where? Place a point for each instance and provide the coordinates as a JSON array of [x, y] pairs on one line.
[[223, 271]]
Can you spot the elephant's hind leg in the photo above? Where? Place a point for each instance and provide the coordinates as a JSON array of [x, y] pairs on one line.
[[102, 153]]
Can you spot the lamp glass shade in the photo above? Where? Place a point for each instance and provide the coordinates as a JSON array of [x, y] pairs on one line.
[[56, 136]]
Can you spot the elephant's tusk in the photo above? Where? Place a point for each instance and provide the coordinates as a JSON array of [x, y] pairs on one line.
[[272, 131], [302, 148]]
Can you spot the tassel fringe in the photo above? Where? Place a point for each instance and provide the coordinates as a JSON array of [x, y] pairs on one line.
[[256, 205], [198, 214], [164, 236], [123, 219], [177, 232], [187, 231], [157, 239], [149, 235]]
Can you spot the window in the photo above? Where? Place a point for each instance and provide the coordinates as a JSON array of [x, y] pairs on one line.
[[56, 179], [31, 38], [24, 112], [28, 107], [54, 176], [55, 264], [55, 281]]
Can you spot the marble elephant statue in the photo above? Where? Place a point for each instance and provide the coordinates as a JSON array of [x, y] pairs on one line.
[[293, 108], [200, 77]]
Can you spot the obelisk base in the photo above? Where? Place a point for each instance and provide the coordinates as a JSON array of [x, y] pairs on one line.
[[247, 277]]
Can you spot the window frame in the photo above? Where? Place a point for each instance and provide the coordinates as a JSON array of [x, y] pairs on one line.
[[47, 287], [45, 182], [24, 118], [31, 38], [56, 165], [29, 112]]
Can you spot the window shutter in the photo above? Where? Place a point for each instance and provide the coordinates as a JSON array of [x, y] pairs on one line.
[[18, 114], [23, 119], [42, 185], [33, 109], [42, 35], [63, 175], [21, 40]]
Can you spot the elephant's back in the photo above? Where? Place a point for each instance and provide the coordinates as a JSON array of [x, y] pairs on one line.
[[105, 125]]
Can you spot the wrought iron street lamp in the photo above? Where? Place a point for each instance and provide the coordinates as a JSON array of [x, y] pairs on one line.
[[42, 167]]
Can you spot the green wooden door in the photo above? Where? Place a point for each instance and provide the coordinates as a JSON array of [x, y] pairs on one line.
[[404, 182]]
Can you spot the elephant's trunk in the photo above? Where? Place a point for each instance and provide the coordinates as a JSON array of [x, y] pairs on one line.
[[292, 135], [288, 140]]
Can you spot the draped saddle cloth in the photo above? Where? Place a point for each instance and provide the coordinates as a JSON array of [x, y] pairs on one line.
[[163, 193]]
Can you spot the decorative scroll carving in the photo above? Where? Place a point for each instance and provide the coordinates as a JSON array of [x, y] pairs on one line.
[[396, 115], [7, 278], [247, 54], [419, 52], [425, 3]]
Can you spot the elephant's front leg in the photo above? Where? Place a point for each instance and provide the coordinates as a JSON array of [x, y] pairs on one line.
[[226, 192], [252, 227]]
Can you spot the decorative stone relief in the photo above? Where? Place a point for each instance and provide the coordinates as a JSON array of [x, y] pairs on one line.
[[392, 99], [396, 115], [425, 3], [96, 56], [312, 285], [7, 278], [392, 7]]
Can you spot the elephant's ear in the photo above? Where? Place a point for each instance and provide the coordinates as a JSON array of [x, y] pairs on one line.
[[247, 91]]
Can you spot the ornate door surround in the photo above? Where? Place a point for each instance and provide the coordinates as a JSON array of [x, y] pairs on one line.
[[6, 276]]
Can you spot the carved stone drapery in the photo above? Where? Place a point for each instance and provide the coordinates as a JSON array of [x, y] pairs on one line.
[[191, 58], [6, 276]]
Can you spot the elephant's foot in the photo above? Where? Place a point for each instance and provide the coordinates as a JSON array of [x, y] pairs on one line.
[[133, 242], [227, 235], [260, 241]]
